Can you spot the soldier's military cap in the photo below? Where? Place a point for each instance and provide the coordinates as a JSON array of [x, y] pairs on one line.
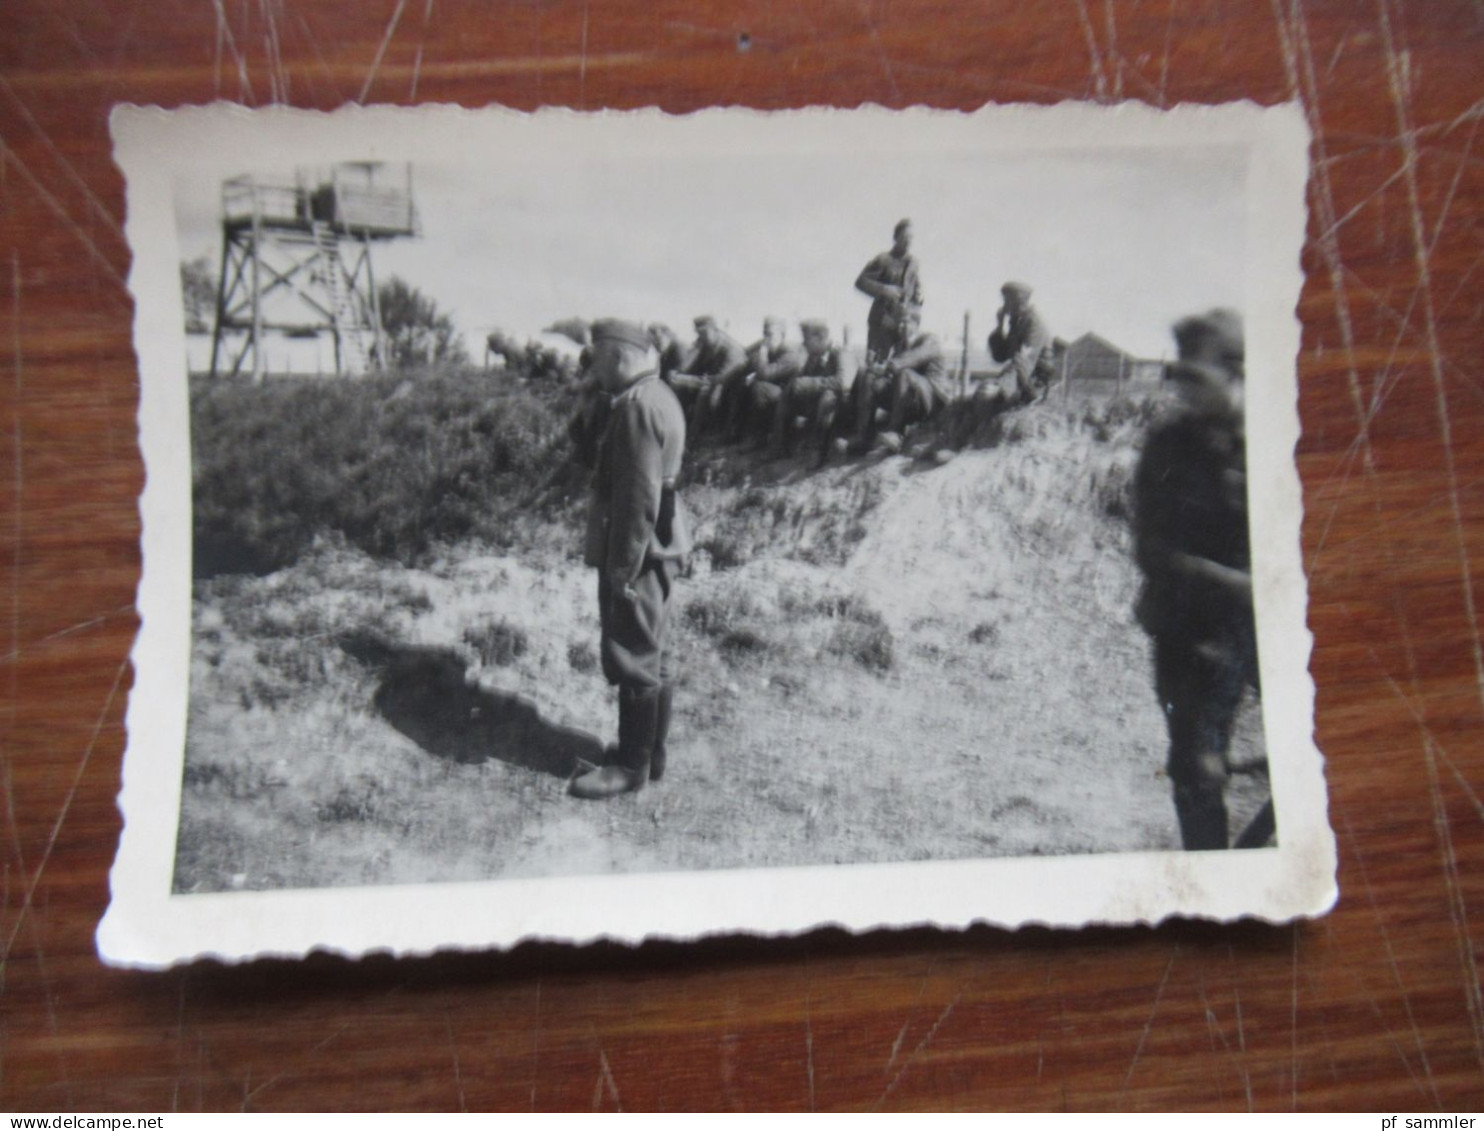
[[814, 326], [704, 320], [1215, 334], [773, 322], [619, 330], [1021, 291]]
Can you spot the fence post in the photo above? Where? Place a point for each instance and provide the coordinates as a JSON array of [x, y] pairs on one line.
[[963, 376]]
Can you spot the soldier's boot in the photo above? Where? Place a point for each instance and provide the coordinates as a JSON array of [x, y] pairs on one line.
[[658, 755], [1201, 810], [629, 770]]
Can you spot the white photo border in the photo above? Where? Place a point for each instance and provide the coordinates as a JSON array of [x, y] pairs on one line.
[[148, 926]]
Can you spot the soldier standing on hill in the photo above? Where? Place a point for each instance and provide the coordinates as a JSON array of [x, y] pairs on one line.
[[893, 281], [1021, 337], [1192, 544], [637, 539]]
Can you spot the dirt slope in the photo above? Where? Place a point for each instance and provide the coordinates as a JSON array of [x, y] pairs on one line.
[[881, 661]]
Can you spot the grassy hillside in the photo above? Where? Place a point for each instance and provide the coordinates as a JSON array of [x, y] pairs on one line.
[[883, 660]]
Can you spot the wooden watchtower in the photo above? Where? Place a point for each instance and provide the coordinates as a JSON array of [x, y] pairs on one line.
[[296, 260]]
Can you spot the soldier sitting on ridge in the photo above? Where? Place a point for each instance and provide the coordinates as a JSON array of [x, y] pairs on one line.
[[814, 396], [714, 359], [771, 363], [910, 384]]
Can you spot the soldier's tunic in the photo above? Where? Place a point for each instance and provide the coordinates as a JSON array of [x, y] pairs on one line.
[[1028, 347], [823, 382], [881, 322], [588, 424], [637, 533], [1190, 495], [705, 373], [759, 387]]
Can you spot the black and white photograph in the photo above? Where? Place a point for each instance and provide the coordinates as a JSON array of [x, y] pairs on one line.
[[624, 525]]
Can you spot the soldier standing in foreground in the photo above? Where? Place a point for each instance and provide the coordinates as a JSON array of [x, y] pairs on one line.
[[1192, 544], [637, 539], [893, 281], [1021, 337]]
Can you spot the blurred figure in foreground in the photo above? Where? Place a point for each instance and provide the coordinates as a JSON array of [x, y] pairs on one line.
[[1192, 544]]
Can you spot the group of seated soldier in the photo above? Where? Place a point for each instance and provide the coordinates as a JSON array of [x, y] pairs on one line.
[[778, 395]]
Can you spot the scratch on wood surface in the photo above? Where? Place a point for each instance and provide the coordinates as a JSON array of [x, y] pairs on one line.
[[869, 12], [582, 66], [386, 39], [16, 647], [18, 481], [1396, 73], [809, 1049], [324, 65], [1293, 1054], [1149, 1021], [916, 1052], [1099, 77], [277, 1076], [605, 1080], [1217, 1033], [896, 1045], [1396, 975], [82, 765], [6, 153], [1164, 58], [536, 1046], [1457, 907], [1298, 64], [42, 973], [224, 34], [94, 205], [417, 60], [180, 1001], [278, 75], [458, 1075], [1242, 1044], [1113, 55]]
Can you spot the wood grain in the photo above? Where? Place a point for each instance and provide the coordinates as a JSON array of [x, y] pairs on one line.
[[1378, 1006]]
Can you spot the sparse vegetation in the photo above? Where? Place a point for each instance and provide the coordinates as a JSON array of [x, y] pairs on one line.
[[497, 643], [391, 465], [875, 662]]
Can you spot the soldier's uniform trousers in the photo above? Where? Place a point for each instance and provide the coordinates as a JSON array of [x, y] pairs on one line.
[[1200, 684], [634, 629]]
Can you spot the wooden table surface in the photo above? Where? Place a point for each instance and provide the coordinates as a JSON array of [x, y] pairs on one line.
[[1378, 1006]]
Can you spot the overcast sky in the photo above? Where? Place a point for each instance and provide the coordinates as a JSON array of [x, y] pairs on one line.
[[1117, 241]]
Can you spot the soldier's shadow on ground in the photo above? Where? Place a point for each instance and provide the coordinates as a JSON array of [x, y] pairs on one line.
[[422, 693]]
